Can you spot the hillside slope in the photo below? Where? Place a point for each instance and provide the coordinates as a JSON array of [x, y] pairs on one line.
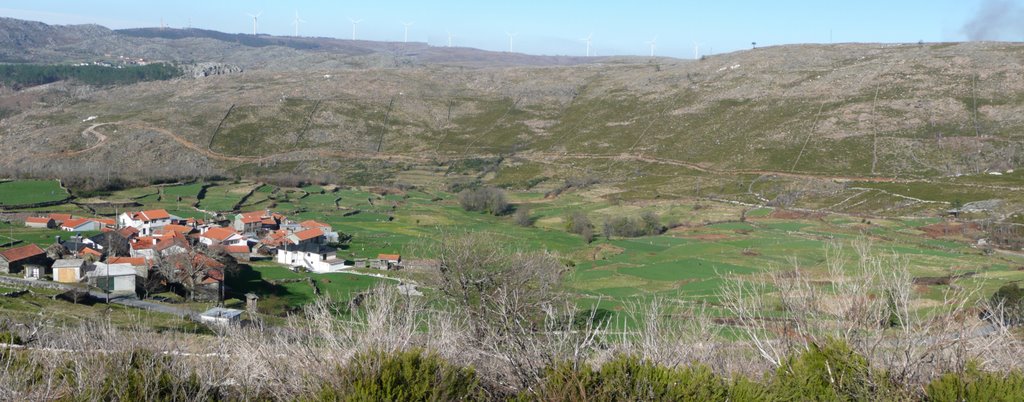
[[851, 110]]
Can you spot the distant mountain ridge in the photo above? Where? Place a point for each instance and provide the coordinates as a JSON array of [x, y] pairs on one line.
[[29, 41], [372, 110], [20, 40]]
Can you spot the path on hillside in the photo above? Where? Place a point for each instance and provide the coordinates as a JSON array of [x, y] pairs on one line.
[[234, 158], [89, 131]]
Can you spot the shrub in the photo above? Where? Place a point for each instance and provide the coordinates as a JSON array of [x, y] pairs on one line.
[[141, 375], [1010, 298], [579, 223], [829, 372], [629, 378], [647, 224], [10, 338], [484, 199], [976, 385], [403, 376], [522, 216]]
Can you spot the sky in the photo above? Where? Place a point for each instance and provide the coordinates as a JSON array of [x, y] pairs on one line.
[[678, 28]]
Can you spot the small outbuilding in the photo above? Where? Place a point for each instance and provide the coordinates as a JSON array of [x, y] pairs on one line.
[[221, 316], [40, 222], [113, 278], [14, 260], [68, 270]]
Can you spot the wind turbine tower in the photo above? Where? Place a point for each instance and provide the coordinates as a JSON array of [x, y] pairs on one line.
[[407, 25], [587, 39], [653, 43], [255, 21], [510, 36], [354, 23], [297, 21], [696, 51], [450, 36]]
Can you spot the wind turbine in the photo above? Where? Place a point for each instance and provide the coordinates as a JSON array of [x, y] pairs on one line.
[[297, 21], [696, 50], [450, 36], [510, 36], [255, 21], [407, 25], [587, 39], [354, 23], [653, 43]]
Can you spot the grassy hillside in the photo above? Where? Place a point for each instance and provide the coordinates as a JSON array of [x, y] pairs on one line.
[[723, 126]]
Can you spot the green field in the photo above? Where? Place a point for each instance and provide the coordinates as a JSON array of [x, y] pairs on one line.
[[711, 243], [224, 197], [26, 192], [262, 279]]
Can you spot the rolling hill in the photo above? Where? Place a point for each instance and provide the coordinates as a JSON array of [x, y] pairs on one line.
[[368, 111]]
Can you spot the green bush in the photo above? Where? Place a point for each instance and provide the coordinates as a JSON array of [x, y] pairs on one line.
[[1010, 298], [144, 376], [976, 385], [10, 338], [402, 376], [628, 378], [832, 372]]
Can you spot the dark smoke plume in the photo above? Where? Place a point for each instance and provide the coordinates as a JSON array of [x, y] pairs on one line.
[[996, 20]]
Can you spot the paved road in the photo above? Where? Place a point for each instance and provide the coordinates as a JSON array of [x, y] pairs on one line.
[[132, 301]]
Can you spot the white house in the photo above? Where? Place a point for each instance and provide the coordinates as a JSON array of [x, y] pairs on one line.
[[219, 236], [313, 257], [68, 270], [80, 225], [145, 221], [113, 278]]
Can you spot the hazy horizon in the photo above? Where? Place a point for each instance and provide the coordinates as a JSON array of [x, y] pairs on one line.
[[680, 30]]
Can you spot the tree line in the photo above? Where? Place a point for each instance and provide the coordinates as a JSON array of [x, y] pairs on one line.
[[27, 75]]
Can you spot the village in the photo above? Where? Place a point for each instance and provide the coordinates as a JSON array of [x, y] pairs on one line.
[[140, 253]]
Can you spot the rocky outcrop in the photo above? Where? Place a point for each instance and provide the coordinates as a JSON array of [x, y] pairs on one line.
[[200, 70]]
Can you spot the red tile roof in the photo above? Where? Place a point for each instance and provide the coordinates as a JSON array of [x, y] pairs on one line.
[[150, 215], [176, 229], [174, 239], [389, 257], [313, 224], [33, 219], [128, 231], [60, 217], [21, 253], [207, 261], [73, 223], [106, 221], [308, 234], [213, 275], [268, 221], [134, 261], [236, 249], [251, 219], [87, 250], [144, 242], [219, 234]]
